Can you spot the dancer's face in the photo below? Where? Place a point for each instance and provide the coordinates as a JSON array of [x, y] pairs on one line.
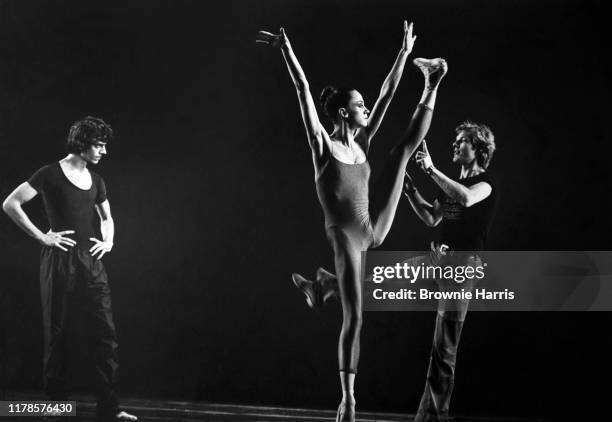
[[356, 112], [463, 150], [94, 153]]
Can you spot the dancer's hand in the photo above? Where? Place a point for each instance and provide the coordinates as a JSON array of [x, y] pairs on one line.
[[408, 42], [424, 159], [439, 249], [57, 239], [100, 247], [274, 40]]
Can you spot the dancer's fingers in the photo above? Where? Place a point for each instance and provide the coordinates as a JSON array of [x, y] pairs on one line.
[[425, 147], [264, 34], [66, 232], [67, 240], [58, 245], [265, 37]]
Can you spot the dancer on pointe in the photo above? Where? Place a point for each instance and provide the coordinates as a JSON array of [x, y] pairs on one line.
[[354, 220], [73, 281]]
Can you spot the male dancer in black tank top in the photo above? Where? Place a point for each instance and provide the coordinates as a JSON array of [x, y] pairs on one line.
[[464, 208], [73, 280]]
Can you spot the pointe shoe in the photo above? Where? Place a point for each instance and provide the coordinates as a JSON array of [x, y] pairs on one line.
[[346, 412], [329, 284], [433, 69], [311, 289]]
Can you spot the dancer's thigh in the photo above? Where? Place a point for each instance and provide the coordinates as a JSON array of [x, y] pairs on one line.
[[347, 248]]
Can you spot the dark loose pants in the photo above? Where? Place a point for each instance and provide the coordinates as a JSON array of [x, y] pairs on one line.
[[74, 288], [435, 402]]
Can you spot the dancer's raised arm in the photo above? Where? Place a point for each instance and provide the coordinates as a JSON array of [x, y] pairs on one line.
[[317, 137], [390, 84]]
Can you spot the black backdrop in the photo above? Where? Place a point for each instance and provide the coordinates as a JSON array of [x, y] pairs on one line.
[[211, 185]]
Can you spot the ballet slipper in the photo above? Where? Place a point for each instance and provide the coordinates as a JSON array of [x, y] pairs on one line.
[[346, 412], [329, 284], [433, 70], [311, 290]]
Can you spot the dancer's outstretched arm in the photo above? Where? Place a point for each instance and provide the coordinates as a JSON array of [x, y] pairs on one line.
[[389, 85], [465, 195], [430, 214], [317, 137]]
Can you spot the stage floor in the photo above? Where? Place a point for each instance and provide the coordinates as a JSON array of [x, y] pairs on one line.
[[183, 411]]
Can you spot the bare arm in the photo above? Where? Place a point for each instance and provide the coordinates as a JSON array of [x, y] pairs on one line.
[[390, 84], [315, 132], [12, 206], [107, 228], [464, 195], [430, 214]]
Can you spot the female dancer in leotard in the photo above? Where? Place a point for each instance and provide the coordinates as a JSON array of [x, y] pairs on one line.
[[355, 221]]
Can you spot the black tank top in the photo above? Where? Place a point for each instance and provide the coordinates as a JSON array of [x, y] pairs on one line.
[[343, 193]]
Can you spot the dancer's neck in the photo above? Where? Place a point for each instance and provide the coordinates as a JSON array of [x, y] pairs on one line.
[[470, 170], [344, 134], [75, 162]]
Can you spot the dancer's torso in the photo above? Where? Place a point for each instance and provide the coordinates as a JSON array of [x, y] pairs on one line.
[[343, 193], [68, 206], [466, 228]]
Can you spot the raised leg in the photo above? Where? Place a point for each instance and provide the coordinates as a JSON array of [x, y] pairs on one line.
[[388, 188]]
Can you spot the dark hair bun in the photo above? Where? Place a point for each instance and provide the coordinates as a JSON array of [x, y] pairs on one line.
[[326, 94]]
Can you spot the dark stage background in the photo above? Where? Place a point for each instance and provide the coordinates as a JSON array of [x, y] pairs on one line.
[[211, 185]]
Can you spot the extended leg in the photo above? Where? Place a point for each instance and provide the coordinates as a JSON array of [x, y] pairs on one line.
[[388, 189]]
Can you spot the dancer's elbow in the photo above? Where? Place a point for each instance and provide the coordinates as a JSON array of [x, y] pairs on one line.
[[301, 85], [9, 205]]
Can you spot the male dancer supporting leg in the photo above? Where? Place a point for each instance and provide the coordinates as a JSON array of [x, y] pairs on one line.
[[465, 207], [73, 280]]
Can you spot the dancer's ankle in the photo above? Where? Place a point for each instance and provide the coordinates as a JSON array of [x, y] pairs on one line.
[[348, 397]]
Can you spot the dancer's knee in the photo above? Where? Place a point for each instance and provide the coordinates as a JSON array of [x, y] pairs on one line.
[[352, 322]]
